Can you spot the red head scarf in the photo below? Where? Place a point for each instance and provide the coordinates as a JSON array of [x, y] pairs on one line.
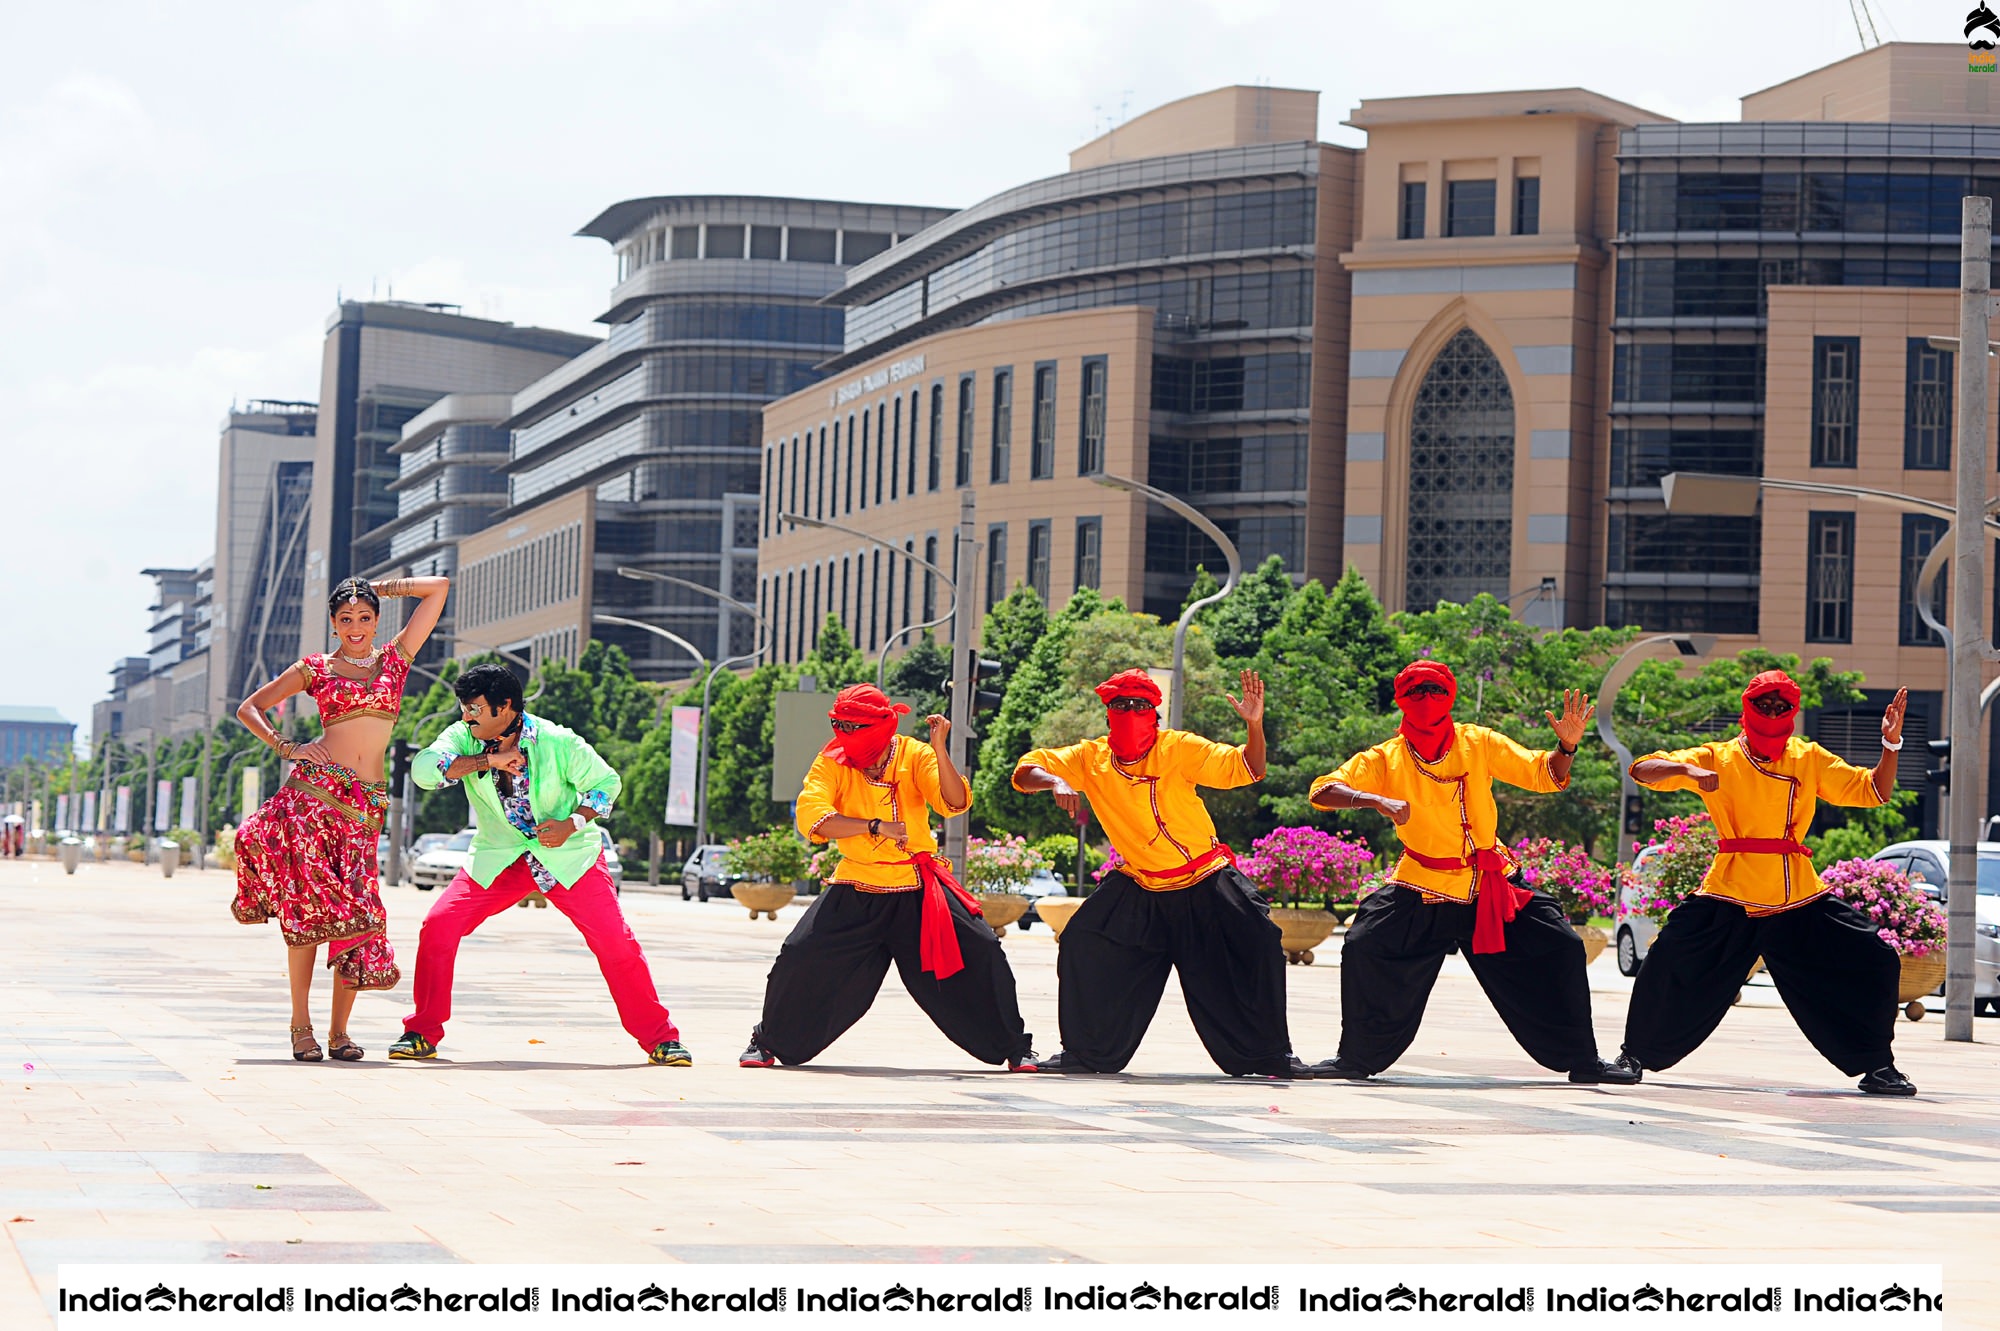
[[1427, 720], [871, 707], [1133, 734], [1766, 735]]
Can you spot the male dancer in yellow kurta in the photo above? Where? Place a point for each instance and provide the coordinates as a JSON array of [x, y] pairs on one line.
[[1762, 898], [890, 898], [1451, 889], [1177, 903]]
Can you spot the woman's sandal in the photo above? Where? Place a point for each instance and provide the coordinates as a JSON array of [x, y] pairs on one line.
[[341, 1047], [310, 1053]]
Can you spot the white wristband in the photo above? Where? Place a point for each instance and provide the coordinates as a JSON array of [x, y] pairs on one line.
[[579, 821], [1887, 747]]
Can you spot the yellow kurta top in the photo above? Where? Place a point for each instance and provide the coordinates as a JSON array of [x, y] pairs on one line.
[[1150, 809], [1767, 800], [1451, 804], [907, 784]]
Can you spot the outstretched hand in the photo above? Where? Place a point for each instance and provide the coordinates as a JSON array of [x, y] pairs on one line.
[[1251, 708], [1892, 718], [1576, 714]]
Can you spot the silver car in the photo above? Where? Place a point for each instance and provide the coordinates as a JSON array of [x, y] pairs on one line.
[[1928, 864], [1636, 931], [440, 864]]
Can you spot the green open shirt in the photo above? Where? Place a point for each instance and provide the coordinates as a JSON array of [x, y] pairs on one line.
[[562, 768]]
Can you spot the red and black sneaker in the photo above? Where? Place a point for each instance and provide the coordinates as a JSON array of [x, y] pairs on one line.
[[1028, 1062], [757, 1056]]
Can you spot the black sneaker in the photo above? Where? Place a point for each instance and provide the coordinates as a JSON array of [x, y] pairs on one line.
[[1297, 1069], [1600, 1072], [413, 1045], [1887, 1081], [1339, 1069], [1059, 1062], [670, 1054], [756, 1056]]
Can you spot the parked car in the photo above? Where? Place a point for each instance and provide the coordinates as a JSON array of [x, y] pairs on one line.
[[437, 866], [1636, 932], [613, 865], [1044, 883], [1928, 864], [416, 848], [703, 876]]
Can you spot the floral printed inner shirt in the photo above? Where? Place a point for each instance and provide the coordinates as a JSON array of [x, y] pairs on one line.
[[522, 816]]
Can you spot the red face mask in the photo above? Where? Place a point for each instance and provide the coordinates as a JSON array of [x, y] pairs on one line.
[[1133, 733], [1766, 735], [1427, 724], [862, 748]]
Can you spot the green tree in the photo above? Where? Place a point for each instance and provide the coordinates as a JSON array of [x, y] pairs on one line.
[[1030, 692], [1238, 623], [622, 706], [743, 718], [1012, 628], [567, 697], [835, 662], [919, 674]]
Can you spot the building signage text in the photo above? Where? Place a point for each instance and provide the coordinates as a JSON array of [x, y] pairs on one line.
[[895, 372]]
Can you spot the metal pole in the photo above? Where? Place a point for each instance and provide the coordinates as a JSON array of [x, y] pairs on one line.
[[1967, 624], [1687, 644], [963, 669]]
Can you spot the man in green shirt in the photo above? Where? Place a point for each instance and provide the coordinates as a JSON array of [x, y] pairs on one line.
[[535, 788]]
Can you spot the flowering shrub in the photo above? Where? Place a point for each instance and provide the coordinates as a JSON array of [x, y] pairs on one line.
[[778, 856], [824, 857], [1000, 864], [1304, 864], [1113, 863], [1687, 849], [1581, 886], [1904, 917]]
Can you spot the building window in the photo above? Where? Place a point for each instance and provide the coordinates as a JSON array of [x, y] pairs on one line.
[[967, 390], [874, 598], [1830, 577], [1410, 217], [909, 572], [1836, 379], [1527, 205], [833, 502], [881, 445], [1461, 506], [864, 458], [767, 242], [687, 242], [1468, 208], [773, 483], [724, 242], [996, 563], [1039, 542], [848, 484], [1920, 532], [935, 473], [1002, 463], [1927, 393], [916, 402], [896, 445], [1042, 456], [1090, 446], [1089, 551], [930, 579], [810, 245]]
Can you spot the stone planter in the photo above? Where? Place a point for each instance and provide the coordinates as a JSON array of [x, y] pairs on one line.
[[1921, 975], [765, 898], [1056, 911], [71, 854], [1302, 929], [1001, 909], [170, 858], [1595, 940]]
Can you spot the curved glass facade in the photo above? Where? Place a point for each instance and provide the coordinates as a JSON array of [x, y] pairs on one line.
[[1460, 530]]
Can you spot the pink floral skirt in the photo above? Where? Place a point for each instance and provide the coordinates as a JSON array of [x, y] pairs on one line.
[[306, 859]]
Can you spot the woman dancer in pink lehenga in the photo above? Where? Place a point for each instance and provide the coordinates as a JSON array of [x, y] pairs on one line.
[[307, 857]]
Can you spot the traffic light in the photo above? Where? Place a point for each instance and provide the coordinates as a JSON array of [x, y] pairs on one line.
[[400, 754], [1635, 818], [1940, 775], [978, 671]]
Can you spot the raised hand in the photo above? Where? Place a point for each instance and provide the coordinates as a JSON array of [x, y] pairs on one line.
[[1576, 714], [1892, 718], [1251, 708], [940, 729]]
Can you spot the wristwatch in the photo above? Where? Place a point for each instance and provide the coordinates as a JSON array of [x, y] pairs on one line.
[[579, 821]]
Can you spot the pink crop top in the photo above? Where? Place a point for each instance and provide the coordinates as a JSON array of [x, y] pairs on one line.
[[342, 699]]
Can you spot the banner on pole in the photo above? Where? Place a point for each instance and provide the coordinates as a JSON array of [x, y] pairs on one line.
[[62, 813], [90, 811], [163, 804], [188, 784], [253, 792], [683, 757], [122, 821]]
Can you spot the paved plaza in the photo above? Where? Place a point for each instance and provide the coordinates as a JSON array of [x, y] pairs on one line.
[[152, 1112]]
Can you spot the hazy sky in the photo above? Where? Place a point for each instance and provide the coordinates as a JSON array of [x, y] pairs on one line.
[[185, 190]]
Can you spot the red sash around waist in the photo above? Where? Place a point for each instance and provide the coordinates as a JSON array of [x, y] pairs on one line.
[[937, 936], [1759, 845], [1498, 901], [1195, 865]]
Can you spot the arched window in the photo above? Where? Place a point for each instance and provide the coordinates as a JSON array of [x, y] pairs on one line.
[[1461, 518]]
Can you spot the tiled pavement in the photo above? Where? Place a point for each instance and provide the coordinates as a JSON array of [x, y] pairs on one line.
[[149, 1111]]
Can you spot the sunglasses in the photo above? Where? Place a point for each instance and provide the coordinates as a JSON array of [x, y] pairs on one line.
[[1427, 690], [1130, 705], [1772, 704]]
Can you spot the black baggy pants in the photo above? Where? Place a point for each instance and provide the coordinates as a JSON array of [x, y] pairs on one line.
[[832, 965], [1217, 934], [1396, 946], [1833, 971]]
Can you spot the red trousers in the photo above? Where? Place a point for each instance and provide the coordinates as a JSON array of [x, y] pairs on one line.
[[591, 906]]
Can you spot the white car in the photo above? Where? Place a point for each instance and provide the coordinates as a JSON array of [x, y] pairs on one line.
[[1928, 864], [1042, 883], [1636, 932], [437, 866]]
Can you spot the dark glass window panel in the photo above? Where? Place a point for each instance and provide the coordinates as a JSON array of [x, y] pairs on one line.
[[686, 242], [1527, 205], [767, 242], [860, 246], [1641, 456], [1920, 533], [967, 390], [724, 242], [1830, 577], [881, 445], [935, 471], [1042, 448], [1675, 543], [1410, 212], [1000, 464], [1090, 446], [1469, 207], [1089, 552], [916, 404], [1867, 202], [1779, 204], [930, 579], [696, 321], [1683, 609], [1719, 201], [896, 445], [1460, 523], [810, 245], [1927, 405], [1687, 372], [1039, 548], [996, 563], [1836, 401]]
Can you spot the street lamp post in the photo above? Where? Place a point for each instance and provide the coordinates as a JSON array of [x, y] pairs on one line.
[[708, 671], [881, 661], [707, 683], [1177, 705], [1687, 645]]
